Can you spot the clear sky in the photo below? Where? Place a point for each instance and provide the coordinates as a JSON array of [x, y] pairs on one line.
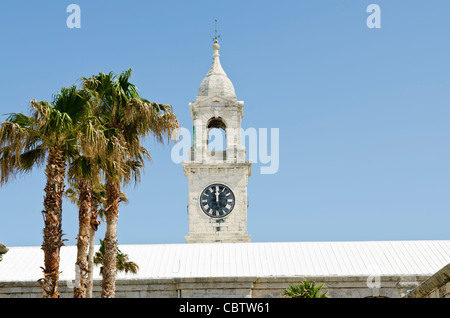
[[363, 114]]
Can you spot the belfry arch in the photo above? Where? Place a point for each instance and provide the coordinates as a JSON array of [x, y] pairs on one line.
[[217, 129]]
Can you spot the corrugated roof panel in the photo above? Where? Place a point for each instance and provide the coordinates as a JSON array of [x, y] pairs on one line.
[[312, 266], [268, 259], [331, 267], [407, 256], [382, 260], [293, 259], [226, 260], [250, 259], [284, 258], [167, 262], [212, 271], [351, 258], [391, 266], [262, 258], [299, 261], [357, 259], [386, 262], [438, 251], [278, 259], [420, 262], [423, 249], [308, 270], [370, 263], [343, 262], [245, 261], [404, 257], [192, 263], [156, 261]]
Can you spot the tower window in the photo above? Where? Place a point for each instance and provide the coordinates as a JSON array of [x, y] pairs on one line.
[[217, 122], [217, 140]]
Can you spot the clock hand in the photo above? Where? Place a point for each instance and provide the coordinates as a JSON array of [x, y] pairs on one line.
[[217, 196]]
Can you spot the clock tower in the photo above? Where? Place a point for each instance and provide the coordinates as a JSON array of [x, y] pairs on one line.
[[217, 178]]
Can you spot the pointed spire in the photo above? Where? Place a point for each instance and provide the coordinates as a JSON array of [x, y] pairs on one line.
[[216, 67], [216, 82]]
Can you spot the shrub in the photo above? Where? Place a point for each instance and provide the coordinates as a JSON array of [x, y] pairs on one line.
[[305, 289]]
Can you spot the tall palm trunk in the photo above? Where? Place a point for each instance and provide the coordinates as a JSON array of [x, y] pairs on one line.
[[84, 216], [52, 214], [90, 280], [109, 261], [92, 230]]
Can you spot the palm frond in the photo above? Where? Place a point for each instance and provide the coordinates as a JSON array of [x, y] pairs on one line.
[[123, 264], [32, 158]]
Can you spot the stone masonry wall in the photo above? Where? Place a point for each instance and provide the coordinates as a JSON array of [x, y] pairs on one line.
[[436, 286], [231, 287]]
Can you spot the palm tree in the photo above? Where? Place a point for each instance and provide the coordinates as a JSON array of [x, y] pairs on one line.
[[84, 173], [98, 196], [127, 118], [122, 261], [50, 133], [84, 170]]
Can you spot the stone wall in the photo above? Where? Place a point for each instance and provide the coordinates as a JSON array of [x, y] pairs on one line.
[[436, 286], [441, 292], [233, 227], [231, 287]]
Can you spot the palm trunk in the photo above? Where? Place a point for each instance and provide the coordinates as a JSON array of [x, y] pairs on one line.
[[109, 260], [90, 280], [52, 214], [84, 216], [92, 230]]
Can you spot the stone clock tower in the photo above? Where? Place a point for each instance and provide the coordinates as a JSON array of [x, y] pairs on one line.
[[217, 179]]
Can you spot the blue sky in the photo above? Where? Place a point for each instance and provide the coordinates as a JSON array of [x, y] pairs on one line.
[[362, 113]]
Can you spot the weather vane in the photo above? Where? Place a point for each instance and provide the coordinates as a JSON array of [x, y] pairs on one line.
[[216, 37]]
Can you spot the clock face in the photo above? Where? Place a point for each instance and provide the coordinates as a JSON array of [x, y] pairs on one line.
[[217, 200]]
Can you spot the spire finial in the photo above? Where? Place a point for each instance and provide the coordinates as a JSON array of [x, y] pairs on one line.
[[216, 45], [216, 36]]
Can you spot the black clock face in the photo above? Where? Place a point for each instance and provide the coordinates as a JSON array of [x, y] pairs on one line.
[[217, 200]]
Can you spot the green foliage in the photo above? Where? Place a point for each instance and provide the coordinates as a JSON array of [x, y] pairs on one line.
[[25, 141], [123, 264], [126, 118], [305, 289]]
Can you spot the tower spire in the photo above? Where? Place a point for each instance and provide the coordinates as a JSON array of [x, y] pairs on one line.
[[216, 82]]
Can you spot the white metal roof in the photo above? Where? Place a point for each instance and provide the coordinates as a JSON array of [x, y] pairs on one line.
[[390, 258]]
